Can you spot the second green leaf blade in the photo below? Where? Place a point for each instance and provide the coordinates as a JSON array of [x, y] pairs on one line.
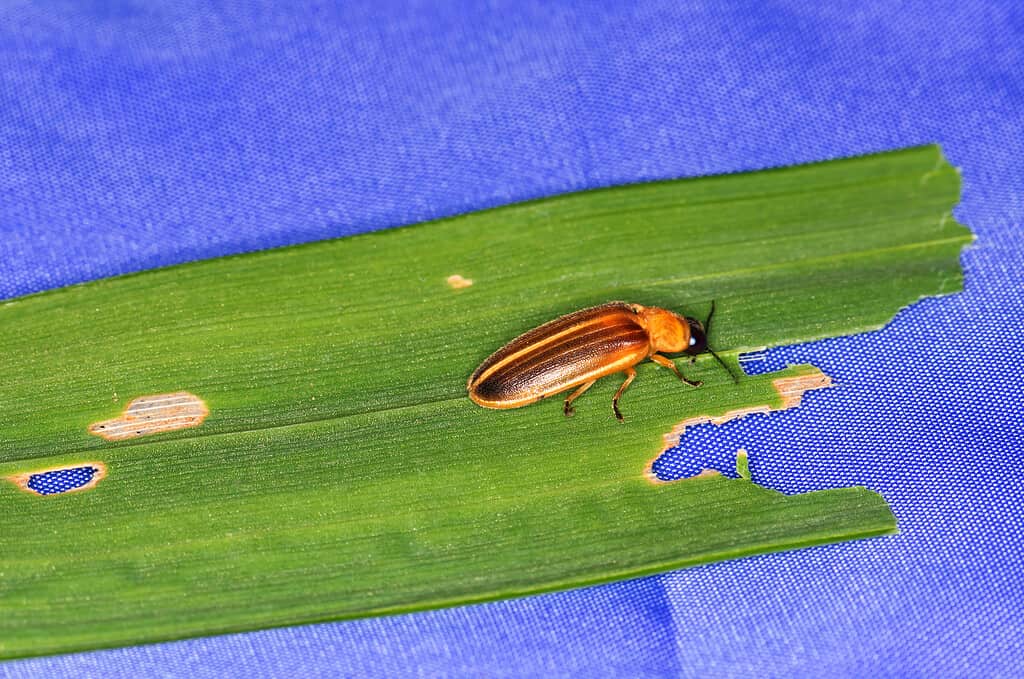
[[342, 471]]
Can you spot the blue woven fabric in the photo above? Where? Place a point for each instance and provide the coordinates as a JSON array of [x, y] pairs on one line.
[[60, 480], [135, 135]]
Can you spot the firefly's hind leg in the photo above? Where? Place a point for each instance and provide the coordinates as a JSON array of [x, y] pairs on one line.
[[668, 363], [630, 374], [568, 409]]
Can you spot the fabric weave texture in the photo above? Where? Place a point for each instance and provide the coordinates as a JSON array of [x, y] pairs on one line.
[[143, 134]]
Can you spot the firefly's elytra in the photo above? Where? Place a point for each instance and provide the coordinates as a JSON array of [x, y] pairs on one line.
[[576, 350]]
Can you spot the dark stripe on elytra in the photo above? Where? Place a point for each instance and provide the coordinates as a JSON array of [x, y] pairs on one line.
[[572, 342], [583, 316], [535, 336], [507, 383], [581, 353]]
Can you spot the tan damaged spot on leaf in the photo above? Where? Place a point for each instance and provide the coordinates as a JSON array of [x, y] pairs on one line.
[[458, 282], [152, 415], [791, 389], [23, 480]]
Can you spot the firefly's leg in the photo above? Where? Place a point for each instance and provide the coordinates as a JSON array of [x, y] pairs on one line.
[[630, 374], [568, 409], [667, 362]]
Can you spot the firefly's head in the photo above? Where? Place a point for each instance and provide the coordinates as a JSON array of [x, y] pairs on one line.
[[698, 342]]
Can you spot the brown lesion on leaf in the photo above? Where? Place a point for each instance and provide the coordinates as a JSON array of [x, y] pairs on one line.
[[153, 415], [790, 389], [24, 479], [457, 282]]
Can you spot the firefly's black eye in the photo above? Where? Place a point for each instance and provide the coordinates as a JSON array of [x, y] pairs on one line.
[[698, 340]]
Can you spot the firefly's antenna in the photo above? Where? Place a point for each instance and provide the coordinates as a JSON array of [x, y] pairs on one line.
[[718, 358], [707, 331]]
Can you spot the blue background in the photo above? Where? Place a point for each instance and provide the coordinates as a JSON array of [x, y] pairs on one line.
[[135, 135]]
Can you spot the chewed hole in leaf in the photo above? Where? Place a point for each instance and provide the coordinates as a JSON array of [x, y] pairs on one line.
[[708, 446], [689, 447], [153, 414], [765, 361], [458, 282], [63, 480]]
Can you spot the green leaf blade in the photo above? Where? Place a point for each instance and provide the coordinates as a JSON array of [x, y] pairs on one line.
[[342, 471]]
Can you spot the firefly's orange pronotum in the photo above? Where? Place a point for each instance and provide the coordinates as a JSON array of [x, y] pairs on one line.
[[576, 350]]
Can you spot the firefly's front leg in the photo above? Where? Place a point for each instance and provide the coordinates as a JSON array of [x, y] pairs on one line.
[[668, 363]]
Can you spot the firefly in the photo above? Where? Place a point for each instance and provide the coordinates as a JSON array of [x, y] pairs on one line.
[[576, 350]]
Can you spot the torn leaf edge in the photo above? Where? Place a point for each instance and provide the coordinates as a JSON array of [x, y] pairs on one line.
[[790, 390]]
